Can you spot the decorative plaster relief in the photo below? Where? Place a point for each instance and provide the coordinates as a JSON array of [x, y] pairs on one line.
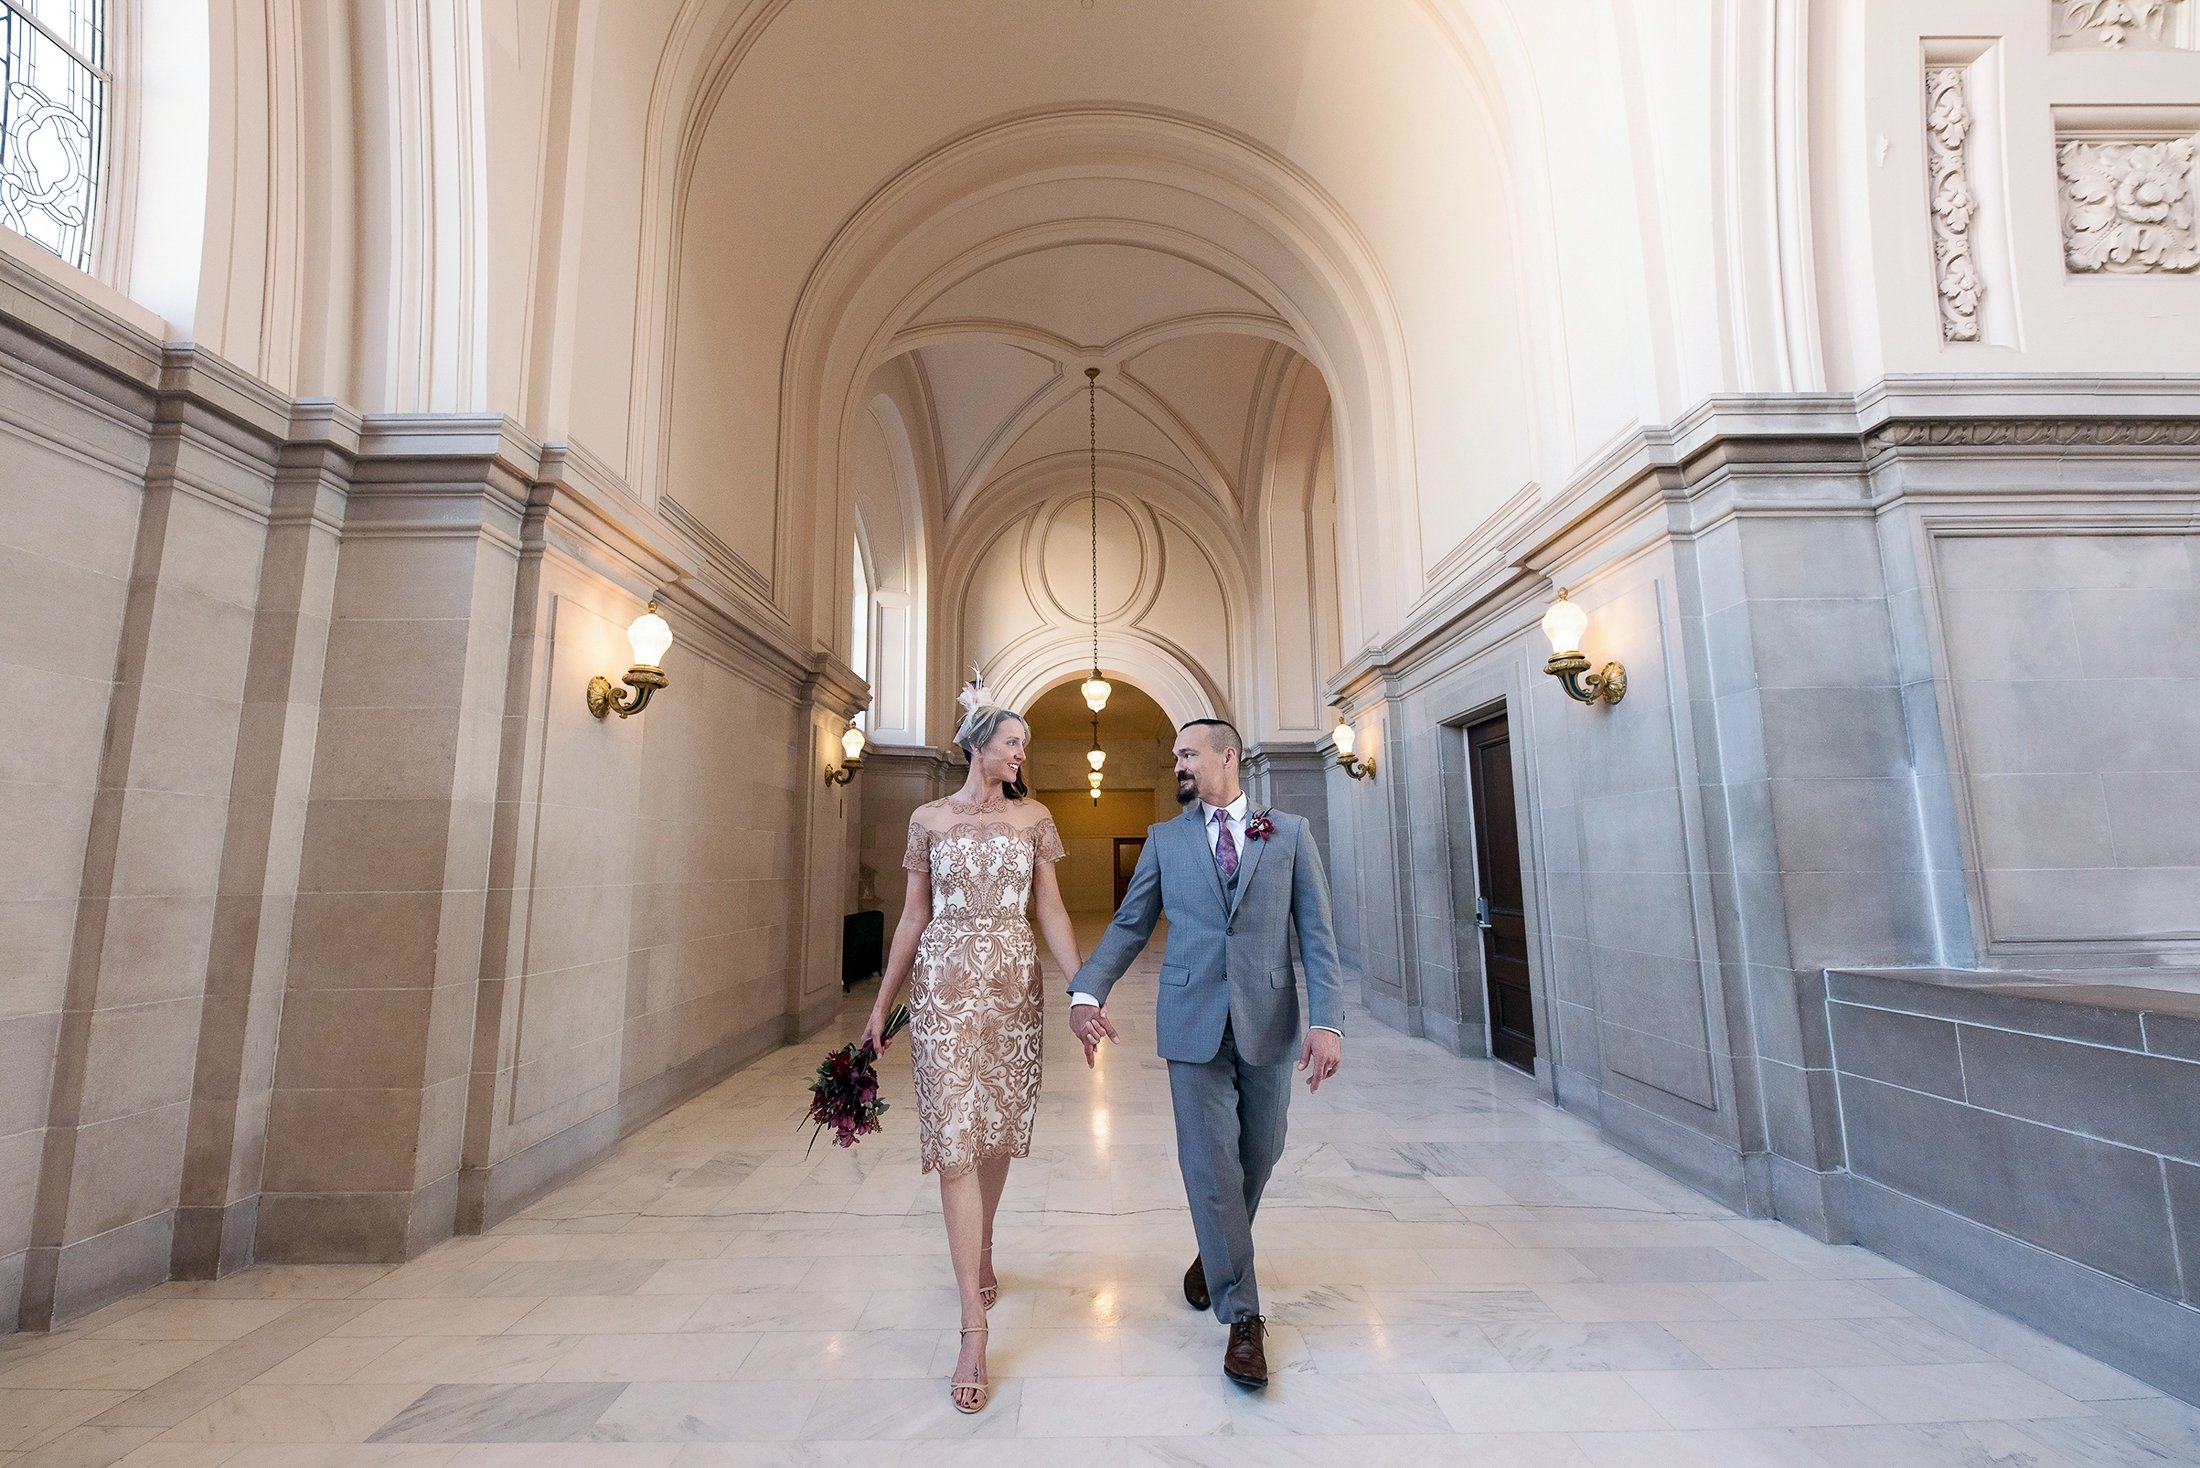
[[2127, 205], [1947, 124], [2141, 24], [2034, 433]]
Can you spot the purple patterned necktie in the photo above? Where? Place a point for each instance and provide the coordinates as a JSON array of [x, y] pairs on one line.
[[1226, 856]]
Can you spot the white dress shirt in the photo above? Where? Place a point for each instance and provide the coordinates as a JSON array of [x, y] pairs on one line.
[[1236, 813]]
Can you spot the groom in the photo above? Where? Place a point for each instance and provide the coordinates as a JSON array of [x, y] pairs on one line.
[[1235, 884]]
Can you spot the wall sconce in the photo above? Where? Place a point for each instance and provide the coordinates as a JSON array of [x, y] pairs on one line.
[[1344, 738], [650, 638], [851, 749], [1563, 624]]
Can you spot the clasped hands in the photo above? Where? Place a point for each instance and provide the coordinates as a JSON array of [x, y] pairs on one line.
[[1320, 1054]]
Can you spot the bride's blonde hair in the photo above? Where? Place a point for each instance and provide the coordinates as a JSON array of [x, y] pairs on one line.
[[982, 719]]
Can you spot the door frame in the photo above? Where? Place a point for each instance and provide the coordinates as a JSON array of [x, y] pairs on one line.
[[1497, 691], [1116, 879]]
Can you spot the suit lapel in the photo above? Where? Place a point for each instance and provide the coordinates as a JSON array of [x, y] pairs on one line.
[[1195, 823], [1248, 863]]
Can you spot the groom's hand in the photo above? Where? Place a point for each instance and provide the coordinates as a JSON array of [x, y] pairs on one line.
[[1089, 1023], [1320, 1056]]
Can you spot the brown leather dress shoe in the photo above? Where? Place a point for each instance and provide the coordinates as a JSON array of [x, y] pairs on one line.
[[1245, 1359], [1195, 1287]]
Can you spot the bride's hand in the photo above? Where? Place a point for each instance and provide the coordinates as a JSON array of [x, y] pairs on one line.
[[873, 1034]]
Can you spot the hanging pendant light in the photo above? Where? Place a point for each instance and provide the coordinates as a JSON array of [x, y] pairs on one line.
[[1096, 757], [1095, 688]]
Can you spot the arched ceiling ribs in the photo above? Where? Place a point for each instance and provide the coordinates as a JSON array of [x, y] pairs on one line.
[[1218, 477], [1031, 486]]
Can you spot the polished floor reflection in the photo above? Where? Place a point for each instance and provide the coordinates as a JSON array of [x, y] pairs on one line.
[[1456, 1274]]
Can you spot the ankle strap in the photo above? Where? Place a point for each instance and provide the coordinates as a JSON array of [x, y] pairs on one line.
[[974, 1330]]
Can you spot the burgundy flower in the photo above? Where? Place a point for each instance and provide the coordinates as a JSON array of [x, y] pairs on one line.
[[1260, 828], [844, 1095]]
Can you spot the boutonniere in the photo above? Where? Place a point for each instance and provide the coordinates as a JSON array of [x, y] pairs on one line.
[[1260, 828]]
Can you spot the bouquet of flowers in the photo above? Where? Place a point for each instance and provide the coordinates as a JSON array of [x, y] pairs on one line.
[[844, 1093]]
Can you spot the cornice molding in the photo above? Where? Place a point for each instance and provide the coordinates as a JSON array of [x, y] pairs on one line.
[[1677, 479]]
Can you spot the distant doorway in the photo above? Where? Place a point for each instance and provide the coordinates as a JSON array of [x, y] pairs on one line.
[[1127, 849], [1500, 905]]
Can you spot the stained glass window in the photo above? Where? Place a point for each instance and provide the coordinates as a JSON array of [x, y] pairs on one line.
[[53, 102]]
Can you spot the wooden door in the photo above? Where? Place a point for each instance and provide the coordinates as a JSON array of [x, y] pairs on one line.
[[1501, 906], [1127, 849]]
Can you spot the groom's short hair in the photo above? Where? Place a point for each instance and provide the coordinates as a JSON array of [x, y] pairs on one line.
[[1226, 737]]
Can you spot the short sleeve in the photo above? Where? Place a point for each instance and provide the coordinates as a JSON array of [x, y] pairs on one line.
[[918, 858], [1047, 840]]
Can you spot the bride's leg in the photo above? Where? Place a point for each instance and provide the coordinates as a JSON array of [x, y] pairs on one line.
[[962, 1201], [992, 1181]]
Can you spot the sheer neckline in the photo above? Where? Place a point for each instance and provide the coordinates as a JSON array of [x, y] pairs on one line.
[[987, 806]]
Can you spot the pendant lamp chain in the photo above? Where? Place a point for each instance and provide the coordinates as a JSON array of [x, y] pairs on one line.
[[1096, 689]]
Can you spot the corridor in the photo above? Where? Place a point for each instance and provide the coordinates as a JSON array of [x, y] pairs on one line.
[[1456, 1274]]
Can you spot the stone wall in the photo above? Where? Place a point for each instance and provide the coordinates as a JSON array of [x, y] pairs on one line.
[[2032, 1143], [335, 922], [1886, 707]]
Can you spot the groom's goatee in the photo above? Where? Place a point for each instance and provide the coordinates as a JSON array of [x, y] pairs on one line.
[[1186, 794]]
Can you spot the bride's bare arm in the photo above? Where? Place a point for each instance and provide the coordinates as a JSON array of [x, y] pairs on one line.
[[916, 911], [1053, 920]]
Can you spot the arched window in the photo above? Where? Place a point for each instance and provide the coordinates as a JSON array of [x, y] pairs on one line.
[[53, 105], [859, 623]]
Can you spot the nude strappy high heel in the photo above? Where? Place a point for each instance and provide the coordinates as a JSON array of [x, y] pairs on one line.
[[987, 1294], [984, 1389]]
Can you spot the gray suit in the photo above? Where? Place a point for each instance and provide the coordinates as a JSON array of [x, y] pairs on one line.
[[1228, 1020]]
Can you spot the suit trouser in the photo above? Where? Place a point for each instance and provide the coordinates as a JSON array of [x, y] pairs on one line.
[[1229, 1132]]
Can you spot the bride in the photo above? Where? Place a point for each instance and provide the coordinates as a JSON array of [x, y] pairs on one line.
[[964, 948]]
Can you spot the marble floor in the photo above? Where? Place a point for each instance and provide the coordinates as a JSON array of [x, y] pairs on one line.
[[1456, 1274]]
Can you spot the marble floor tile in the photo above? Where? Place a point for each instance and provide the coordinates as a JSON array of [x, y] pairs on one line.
[[1763, 1397], [1313, 1404], [1453, 1272], [349, 1413], [1677, 1448], [1363, 1350], [1120, 1406], [195, 1320], [1617, 1346], [914, 1409], [1553, 1401], [542, 1412], [1976, 1392], [33, 1416], [689, 1411], [1595, 1303], [95, 1363], [411, 1317], [431, 1360]]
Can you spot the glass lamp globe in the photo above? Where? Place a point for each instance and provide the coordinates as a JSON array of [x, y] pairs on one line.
[[1096, 758], [650, 638], [1343, 737], [851, 743], [1563, 624], [1096, 690], [1093, 779]]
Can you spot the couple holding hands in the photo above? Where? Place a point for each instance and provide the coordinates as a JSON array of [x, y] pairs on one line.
[[1235, 884]]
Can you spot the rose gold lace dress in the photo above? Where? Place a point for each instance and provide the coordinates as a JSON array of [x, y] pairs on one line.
[[974, 1011]]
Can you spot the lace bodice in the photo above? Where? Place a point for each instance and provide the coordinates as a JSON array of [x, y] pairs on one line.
[[981, 856]]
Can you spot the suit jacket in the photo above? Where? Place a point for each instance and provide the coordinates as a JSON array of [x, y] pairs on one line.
[[1227, 961]]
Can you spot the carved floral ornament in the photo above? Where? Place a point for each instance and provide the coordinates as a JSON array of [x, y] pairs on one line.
[[2116, 23], [1947, 124], [2127, 206]]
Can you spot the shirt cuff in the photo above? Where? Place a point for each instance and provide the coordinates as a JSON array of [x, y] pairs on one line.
[[1079, 998], [1331, 1028]]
